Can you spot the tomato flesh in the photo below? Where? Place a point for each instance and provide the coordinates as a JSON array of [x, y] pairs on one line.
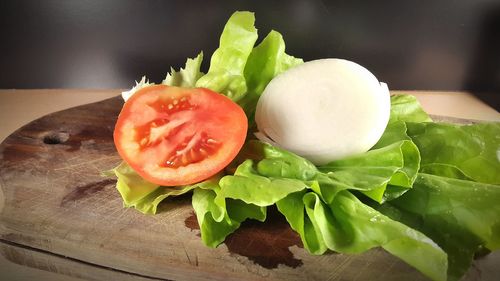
[[175, 136]]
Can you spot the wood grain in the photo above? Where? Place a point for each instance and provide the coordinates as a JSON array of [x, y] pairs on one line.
[[59, 212], [62, 266]]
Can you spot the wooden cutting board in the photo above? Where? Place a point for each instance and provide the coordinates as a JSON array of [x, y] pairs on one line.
[[58, 214]]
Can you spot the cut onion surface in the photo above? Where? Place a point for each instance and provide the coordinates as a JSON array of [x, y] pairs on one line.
[[324, 110]]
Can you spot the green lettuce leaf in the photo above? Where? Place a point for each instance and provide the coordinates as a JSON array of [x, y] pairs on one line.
[[227, 65], [404, 108], [459, 151], [394, 132], [292, 207], [377, 172], [265, 62], [407, 108], [186, 77], [346, 225], [252, 188], [369, 228], [461, 216], [275, 162], [396, 164], [213, 220], [218, 217], [140, 194]]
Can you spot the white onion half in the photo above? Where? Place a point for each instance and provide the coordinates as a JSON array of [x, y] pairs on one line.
[[324, 110]]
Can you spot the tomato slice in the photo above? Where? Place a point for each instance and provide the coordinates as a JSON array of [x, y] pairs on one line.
[[176, 136]]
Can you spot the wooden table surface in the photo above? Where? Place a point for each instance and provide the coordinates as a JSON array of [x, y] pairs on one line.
[[18, 107]]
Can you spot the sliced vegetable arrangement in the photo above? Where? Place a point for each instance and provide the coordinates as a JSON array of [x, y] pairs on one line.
[[426, 192]]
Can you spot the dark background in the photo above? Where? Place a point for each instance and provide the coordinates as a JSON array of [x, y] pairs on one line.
[[415, 45]]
